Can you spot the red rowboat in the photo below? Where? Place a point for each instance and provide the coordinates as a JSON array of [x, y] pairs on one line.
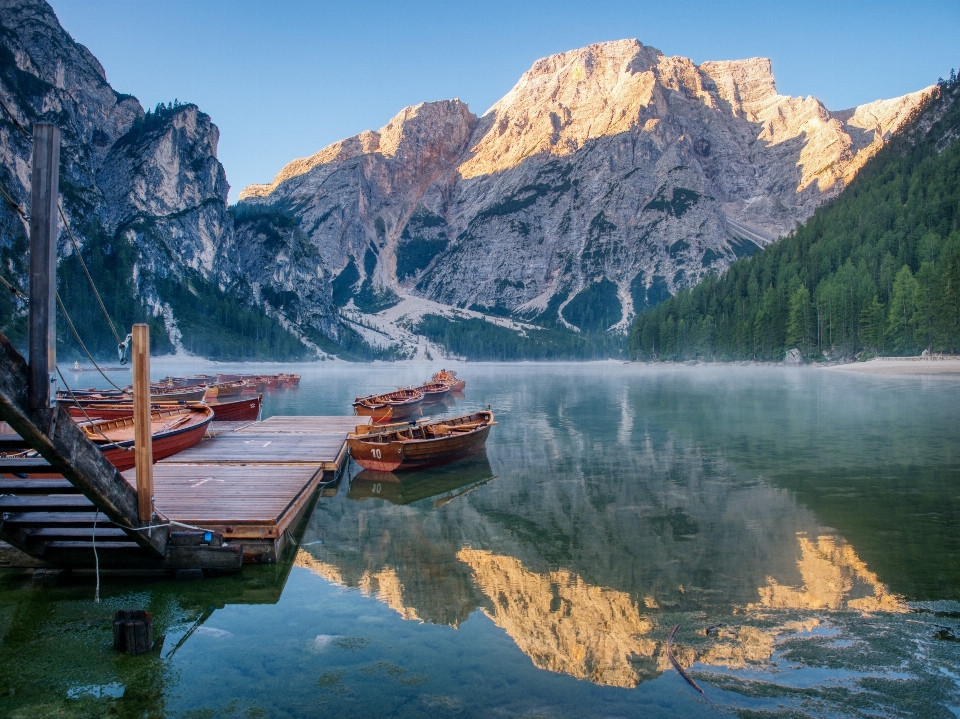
[[236, 410], [410, 446], [230, 410], [449, 377], [112, 409], [174, 430], [387, 407]]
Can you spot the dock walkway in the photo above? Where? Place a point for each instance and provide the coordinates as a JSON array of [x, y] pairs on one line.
[[252, 481]]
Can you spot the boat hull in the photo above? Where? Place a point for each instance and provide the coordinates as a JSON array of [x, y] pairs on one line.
[[392, 407], [434, 392], [229, 389], [165, 444], [193, 394], [408, 454], [236, 411]]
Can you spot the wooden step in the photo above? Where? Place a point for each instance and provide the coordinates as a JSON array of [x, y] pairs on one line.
[[24, 465], [75, 534], [26, 520], [46, 503], [37, 486]]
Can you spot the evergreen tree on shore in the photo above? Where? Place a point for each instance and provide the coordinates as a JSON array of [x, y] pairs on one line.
[[876, 270]]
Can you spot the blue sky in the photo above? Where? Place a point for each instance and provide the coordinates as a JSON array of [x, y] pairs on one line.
[[283, 79]]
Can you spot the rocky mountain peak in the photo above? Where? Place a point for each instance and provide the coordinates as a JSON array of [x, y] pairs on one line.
[[607, 178], [420, 135], [747, 85]]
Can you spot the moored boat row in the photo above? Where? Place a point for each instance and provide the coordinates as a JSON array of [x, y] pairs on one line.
[[407, 401]]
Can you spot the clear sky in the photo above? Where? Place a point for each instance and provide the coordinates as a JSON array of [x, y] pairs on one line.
[[282, 79]]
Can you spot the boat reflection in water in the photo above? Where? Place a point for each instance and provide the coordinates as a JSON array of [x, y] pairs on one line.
[[446, 482]]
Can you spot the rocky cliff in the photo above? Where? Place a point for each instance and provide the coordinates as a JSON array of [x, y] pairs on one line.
[[608, 178], [146, 198]]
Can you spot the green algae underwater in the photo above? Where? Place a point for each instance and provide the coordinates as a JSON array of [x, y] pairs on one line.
[[801, 526]]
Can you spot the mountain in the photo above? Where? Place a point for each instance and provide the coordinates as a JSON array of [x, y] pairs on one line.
[[146, 200], [875, 271], [607, 179]]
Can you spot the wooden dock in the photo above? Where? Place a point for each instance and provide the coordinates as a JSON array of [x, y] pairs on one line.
[[252, 482]]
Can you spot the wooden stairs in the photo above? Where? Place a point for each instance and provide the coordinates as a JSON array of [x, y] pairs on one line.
[[59, 506]]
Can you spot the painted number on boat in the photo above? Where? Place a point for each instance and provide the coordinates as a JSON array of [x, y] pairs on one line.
[[375, 453], [376, 488]]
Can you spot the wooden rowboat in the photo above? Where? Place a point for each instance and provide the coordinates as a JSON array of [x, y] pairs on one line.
[[449, 377], [174, 430], [236, 410], [389, 407], [230, 410], [226, 389], [404, 447], [433, 392], [177, 394], [194, 381], [158, 393], [112, 409]]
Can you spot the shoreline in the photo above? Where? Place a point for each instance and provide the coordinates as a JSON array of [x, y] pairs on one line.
[[903, 366]]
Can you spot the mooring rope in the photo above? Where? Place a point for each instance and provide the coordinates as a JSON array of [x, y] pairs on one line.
[[93, 286], [83, 346], [96, 558]]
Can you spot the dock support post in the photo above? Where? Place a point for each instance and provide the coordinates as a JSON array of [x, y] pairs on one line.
[[44, 196], [143, 437]]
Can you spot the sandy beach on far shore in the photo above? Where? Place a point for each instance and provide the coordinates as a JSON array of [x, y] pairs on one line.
[[903, 366]]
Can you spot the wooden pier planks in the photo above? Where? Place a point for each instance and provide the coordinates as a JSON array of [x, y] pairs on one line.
[[222, 427], [253, 505], [321, 450], [308, 425], [251, 481]]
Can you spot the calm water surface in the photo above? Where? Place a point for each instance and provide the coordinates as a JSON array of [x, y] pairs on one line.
[[802, 527]]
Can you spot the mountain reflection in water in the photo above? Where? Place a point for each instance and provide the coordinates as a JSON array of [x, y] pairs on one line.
[[800, 527], [606, 527]]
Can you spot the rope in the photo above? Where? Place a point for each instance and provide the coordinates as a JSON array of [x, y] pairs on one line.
[[13, 203], [13, 288], [83, 347], [96, 559], [15, 121], [110, 443], [66, 226], [83, 264]]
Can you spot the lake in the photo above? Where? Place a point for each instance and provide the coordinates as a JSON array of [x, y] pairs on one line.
[[802, 527]]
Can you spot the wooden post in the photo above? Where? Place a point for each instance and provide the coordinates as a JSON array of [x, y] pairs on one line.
[[44, 195], [142, 435]]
